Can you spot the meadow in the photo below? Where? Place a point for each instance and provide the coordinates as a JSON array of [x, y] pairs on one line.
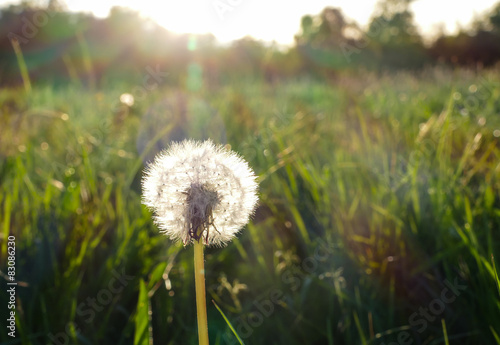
[[378, 220]]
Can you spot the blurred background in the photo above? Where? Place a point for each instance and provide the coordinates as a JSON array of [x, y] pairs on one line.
[[374, 127]]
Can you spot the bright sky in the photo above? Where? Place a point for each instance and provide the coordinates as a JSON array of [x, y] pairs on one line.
[[276, 19]]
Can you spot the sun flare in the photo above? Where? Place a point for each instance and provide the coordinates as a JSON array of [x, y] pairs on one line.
[[185, 16], [228, 20]]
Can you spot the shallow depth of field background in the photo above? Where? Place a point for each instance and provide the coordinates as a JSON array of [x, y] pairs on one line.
[[378, 155]]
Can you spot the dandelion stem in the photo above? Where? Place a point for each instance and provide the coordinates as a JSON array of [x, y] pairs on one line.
[[201, 306]]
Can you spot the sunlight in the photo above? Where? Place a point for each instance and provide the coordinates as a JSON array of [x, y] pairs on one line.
[[187, 16], [340, 159], [228, 20]]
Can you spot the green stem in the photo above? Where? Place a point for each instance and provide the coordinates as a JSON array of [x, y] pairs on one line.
[[201, 306], [22, 65]]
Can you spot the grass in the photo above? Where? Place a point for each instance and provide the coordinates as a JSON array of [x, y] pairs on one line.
[[377, 192]]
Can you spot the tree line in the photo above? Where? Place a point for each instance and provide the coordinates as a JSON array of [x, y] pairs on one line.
[[60, 46]]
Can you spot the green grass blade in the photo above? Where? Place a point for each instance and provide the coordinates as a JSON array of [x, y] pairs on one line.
[[22, 65], [445, 333], [360, 330], [496, 273], [142, 318], [228, 323], [497, 338], [157, 274]]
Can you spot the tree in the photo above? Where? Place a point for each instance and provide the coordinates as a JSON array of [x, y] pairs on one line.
[[494, 18], [479, 46], [394, 37], [327, 30], [323, 39]]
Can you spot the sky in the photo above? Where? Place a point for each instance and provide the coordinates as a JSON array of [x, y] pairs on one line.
[[276, 20]]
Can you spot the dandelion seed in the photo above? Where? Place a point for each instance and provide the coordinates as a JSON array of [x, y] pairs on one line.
[[200, 191]]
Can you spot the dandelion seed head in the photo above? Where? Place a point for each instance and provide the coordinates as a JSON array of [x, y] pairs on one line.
[[200, 191]]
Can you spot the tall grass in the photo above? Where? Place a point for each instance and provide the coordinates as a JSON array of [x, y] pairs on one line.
[[375, 192]]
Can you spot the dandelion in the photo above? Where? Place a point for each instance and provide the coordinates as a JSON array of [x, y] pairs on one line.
[[200, 193], [198, 190]]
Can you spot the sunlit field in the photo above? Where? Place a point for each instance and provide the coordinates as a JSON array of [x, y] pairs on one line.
[[377, 160], [377, 221]]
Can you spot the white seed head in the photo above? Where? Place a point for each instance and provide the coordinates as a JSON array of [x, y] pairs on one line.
[[199, 190]]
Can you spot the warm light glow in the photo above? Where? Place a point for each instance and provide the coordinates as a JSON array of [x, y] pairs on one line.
[[277, 20], [187, 16]]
